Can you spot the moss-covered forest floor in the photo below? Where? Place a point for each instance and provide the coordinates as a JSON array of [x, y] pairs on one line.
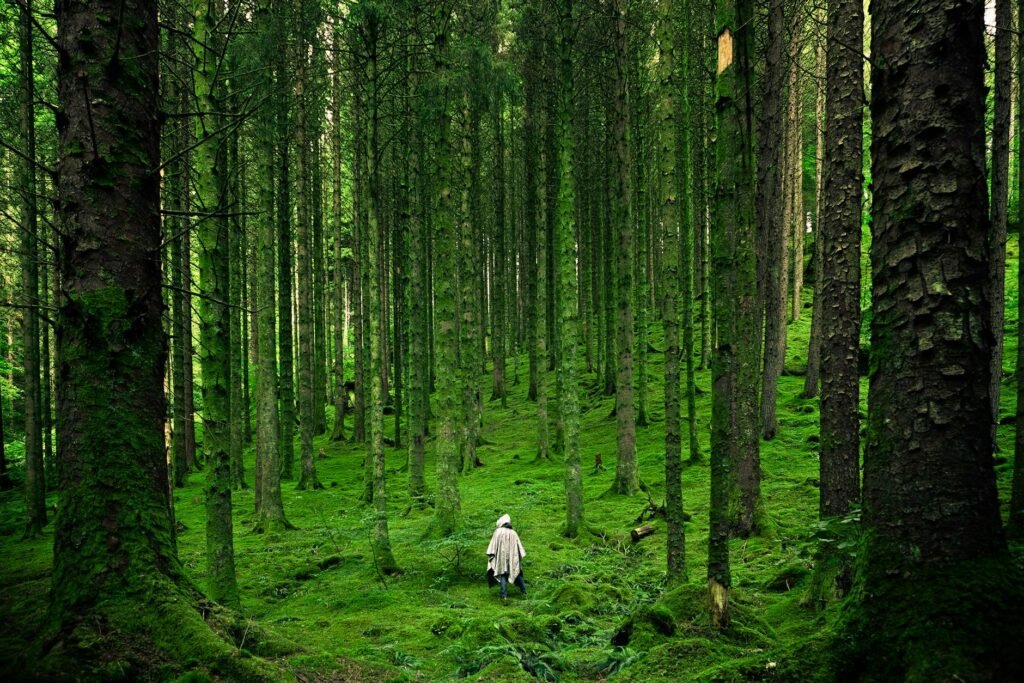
[[596, 608]]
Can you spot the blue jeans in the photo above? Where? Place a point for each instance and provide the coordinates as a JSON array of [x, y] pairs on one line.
[[503, 581]]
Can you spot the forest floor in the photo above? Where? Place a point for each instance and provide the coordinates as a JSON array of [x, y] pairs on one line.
[[596, 609]]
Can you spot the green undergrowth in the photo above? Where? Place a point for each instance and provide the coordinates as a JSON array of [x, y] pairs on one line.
[[597, 607]]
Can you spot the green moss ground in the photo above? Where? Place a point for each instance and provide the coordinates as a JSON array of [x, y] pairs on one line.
[[596, 609]]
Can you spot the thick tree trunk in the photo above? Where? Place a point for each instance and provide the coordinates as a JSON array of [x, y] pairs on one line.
[[931, 512], [117, 583]]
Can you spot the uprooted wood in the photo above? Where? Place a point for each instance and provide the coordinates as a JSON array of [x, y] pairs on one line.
[[651, 511]]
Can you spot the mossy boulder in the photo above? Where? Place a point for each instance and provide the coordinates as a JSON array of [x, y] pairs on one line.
[[523, 630], [505, 670], [573, 596], [787, 578]]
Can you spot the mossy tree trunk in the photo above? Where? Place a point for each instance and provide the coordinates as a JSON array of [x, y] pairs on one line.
[[840, 232], [118, 587], [214, 315], [447, 506], [568, 301], [340, 263], [771, 230], [419, 357], [734, 433], [35, 477], [793, 173], [668, 127], [541, 284], [286, 388], [269, 504], [236, 345], [175, 229], [813, 376], [304, 260], [626, 480], [1015, 523], [934, 566], [370, 30], [1000, 195], [469, 361]]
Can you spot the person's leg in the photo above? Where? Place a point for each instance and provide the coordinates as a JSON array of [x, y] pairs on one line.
[[503, 580], [521, 582]]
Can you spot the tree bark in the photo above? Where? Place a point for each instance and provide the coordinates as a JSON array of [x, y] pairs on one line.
[[214, 314], [772, 229], [1000, 197], [672, 222], [813, 376], [447, 506], [35, 478], [626, 479], [931, 512], [735, 463]]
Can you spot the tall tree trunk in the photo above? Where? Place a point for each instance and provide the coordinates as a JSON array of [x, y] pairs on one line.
[[567, 281], [188, 406], [626, 480], [772, 229], [176, 227], [340, 264], [469, 286], [236, 346], [813, 376], [419, 374], [540, 316], [384, 560], [1015, 523], [286, 389], [214, 314], [794, 171], [840, 232], [304, 261], [35, 478], [735, 463], [269, 504], [447, 506], [500, 259], [671, 219], [1000, 197], [931, 511]]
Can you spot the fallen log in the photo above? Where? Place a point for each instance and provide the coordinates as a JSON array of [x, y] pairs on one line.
[[641, 532]]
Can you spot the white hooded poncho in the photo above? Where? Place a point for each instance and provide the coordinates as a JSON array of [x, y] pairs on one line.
[[505, 551]]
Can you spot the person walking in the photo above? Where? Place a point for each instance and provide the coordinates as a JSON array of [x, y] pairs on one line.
[[504, 555]]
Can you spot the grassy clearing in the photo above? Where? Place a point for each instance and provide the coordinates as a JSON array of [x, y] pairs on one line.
[[596, 609]]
